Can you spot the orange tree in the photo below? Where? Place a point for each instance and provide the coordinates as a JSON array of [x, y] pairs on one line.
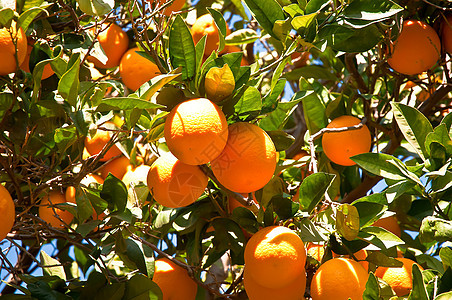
[[110, 233]]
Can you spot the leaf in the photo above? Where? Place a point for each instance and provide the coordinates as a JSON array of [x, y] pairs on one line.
[[435, 229], [266, 12], [140, 287], [69, 83], [142, 256], [414, 126], [55, 268], [27, 17], [281, 139], [278, 71], [126, 103], [242, 36], [219, 83], [279, 117], [284, 207], [375, 10], [240, 9], [418, 292], [300, 23], [270, 101], [347, 221], [446, 257], [444, 296], [384, 165], [96, 7], [157, 83], [182, 48], [246, 105], [312, 190], [316, 6], [343, 38], [313, 110], [370, 210], [440, 135], [372, 288], [387, 238], [221, 25], [114, 191], [6, 100]]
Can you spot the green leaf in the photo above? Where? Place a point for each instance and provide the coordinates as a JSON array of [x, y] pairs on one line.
[[446, 257], [96, 7], [55, 268], [6, 16], [444, 296], [113, 291], [440, 135], [414, 126], [240, 9], [182, 48], [157, 83], [27, 17], [387, 238], [69, 83], [347, 221], [270, 101], [140, 287], [312, 190], [278, 71], [284, 207], [126, 103], [384, 165], [246, 219], [242, 36], [301, 23], [434, 229], [313, 110], [221, 25], [279, 117], [316, 6], [246, 105], [372, 288], [375, 10], [281, 139], [141, 255], [418, 292], [342, 38], [369, 210], [114, 191], [6, 101], [266, 12], [380, 259]]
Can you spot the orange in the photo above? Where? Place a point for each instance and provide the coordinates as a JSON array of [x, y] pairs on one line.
[[174, 281], [300, 59], [95, 144], [390, 224], [233, 49], [8, 62], [175, 6], [136, 70], [292, 291], [360, 256], [136, 175], [446, 34], [205, 25], [117, 167], [46, 73], [248, 160], [274, 257], [175, 184], [196, 131], [339, 279], [400, 279], [340, 146], [316, 251], [406, 56], [47, 210], [114, 41], [7, 211], [234, 203]]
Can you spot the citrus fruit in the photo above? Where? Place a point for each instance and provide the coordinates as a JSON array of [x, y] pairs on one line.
[[446, 34], [340, 146], [47, 210], [400, 279], [292, 291], [248, 160], [300, 59], [175, 184], [175, 6], [46, 73], [196, 131], [95, 144], [117, 167], [316, 251], [114, 41], [406, 56], [136, 175], [360, 256], [7, 211], [174, 281], [275, 256], [8, 62], [390, 224], [205, 25], [339, 279], [136, 70]]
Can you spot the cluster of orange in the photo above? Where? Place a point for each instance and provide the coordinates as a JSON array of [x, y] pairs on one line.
[[242, 156]]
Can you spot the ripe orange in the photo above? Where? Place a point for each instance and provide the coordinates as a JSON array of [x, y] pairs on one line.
[[47, 211], [233, 49], [8, 62], [117, 167], [360, 256], [340, 146], [136, 70], [248, 160], [174, 281], [196, 131], [315, 251], [175, 6], [46, 73], [446, 34], [300, 59], [7, 211], [175, 184], [400, 279], [275, 256], [114, 41], [234, 203], [292, 291], [205, 25], [339, 279], [390, 224], [406, 55], [95, 144]]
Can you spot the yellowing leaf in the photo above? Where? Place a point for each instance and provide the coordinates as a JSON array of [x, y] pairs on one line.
[[347, 221], [219, 83]]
